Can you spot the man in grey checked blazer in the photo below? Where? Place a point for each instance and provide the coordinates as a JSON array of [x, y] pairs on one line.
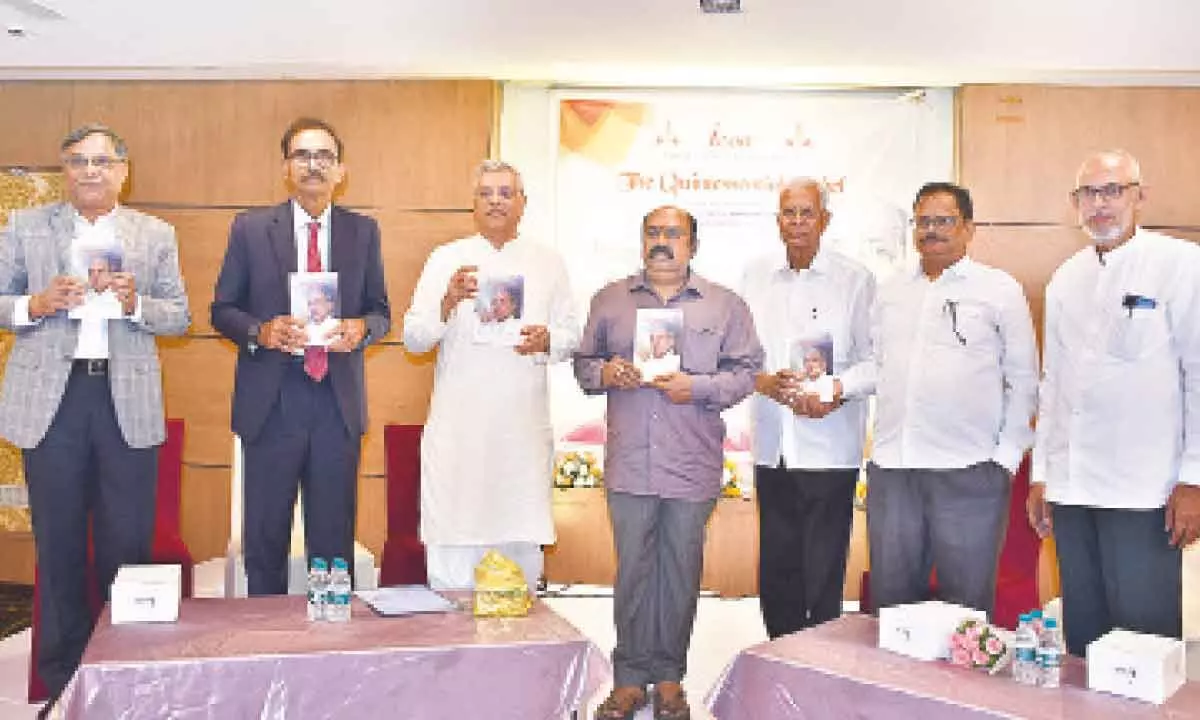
[[83, 397]]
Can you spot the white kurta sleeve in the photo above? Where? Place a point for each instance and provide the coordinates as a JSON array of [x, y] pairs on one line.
[[1019, 364], [858, 380], [563, 318], [1186, 327], [423, 325], [1045, 432]]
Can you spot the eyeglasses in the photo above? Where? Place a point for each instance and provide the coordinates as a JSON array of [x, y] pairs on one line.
[[1110, 191], [320, 158], [671, 232], [805, 214], [930, 222], [100, 162], [505, 193]]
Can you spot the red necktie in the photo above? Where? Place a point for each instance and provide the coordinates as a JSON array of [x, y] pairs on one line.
[[316, 359]]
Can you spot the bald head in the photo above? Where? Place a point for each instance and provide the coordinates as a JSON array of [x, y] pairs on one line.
[[1108, 197], [1117, 161]]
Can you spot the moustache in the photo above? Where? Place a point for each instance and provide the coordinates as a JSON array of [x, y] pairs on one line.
[[930, 238], [663, 251], [314, 175]]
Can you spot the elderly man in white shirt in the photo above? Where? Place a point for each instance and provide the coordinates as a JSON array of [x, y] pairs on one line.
[[957, 385], [487, 449], [807, 300], [1116, 473]]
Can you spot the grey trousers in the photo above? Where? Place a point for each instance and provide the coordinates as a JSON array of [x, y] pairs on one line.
[[951, 520], [1118, 569], [660, 555]]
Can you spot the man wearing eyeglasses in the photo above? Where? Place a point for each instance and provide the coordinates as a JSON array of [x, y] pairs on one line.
[[956, 390], [1116, 473], [807, 450], [487, 447], [663, 457], [300, 411], [83, 397]]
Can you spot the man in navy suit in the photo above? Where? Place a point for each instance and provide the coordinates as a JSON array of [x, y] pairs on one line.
[[300, 411]]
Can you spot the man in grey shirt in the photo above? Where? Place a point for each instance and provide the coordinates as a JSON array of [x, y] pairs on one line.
[[663, 459]]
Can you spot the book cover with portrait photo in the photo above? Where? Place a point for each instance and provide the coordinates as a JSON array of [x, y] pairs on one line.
[[95, 260], [812, 359], [499, 306], [657, 342], [314, 299]]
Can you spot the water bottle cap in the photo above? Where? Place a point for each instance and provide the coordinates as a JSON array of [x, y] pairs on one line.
[[1035, 614], [1051, 623], [340, 564], [1024, 617], [319, 564]]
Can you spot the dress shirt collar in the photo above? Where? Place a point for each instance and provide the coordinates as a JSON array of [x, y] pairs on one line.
[[301, 218], [957, 271], [105, 220], [693, 285], [821, 263], [1124, 249]]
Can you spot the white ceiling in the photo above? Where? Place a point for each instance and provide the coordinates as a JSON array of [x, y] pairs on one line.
[[618, 42]]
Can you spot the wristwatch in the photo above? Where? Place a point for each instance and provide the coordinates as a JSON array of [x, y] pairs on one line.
[[252, 340]]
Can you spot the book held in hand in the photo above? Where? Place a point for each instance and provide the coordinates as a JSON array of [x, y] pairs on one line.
[[811, 358], [314, 299], [657, 342], [499, 308], [95, 258]]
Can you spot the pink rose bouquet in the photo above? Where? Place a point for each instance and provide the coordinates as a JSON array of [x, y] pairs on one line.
[[976, 644]]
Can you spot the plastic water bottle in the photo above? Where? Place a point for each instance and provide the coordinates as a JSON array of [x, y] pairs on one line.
[[318, 585], [1036, 622], [337, 604], [1049, 654], [1025, 647]]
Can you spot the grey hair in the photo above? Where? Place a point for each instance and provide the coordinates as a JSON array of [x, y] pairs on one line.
[[85, 131], [1112, 157], [805, 181], [499, 166]]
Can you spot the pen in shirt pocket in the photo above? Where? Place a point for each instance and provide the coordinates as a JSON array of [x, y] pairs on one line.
[[1133, 302], [951, 308]]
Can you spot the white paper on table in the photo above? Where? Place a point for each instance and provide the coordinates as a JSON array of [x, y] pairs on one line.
[[405, 600]]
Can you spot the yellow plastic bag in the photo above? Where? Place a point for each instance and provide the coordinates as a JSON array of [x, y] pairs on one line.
[[500, 588]]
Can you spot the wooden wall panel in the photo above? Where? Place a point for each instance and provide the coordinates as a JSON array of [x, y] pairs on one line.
[[202, 235], [1020, 146], [1030, 254], [407, 144], [398, 389], [34, 118], [371, 520], [197, 387], [204, 510], [408, 238]]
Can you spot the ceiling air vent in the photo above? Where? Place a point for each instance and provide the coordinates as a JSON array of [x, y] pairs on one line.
[[720, 7]]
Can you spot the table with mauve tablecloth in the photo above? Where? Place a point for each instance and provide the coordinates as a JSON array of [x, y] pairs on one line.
[[835, 670], [260, 657]]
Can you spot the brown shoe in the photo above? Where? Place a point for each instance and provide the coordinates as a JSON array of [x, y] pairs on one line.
[[670, 702], [622, 703]]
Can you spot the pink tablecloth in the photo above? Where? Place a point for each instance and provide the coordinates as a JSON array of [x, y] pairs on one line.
[[260, 658], [836, 671]]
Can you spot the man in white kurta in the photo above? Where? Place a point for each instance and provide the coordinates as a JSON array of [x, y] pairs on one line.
[[487, 449]]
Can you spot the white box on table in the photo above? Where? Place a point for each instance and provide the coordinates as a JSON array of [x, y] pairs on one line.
[[146, 593], [923, 630], [1137, 665]]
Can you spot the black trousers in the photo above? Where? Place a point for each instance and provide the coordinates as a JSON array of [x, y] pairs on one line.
[[804, 521], [1118, 570], [304, 446], [83, 469]]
